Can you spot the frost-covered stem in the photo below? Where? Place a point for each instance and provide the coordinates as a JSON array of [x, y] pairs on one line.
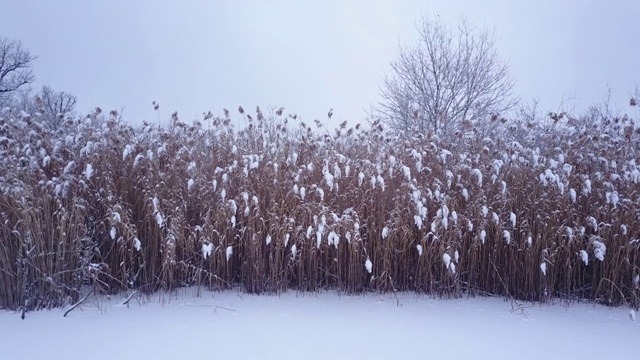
[[77, 304], [126, 302]]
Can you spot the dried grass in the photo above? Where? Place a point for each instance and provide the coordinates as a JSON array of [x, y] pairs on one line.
[[100, 205]]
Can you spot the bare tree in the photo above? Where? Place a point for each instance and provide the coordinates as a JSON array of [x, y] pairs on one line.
[[51, 104], [15, 66], [452, 77], [56, 104], [22, 99], [16, 73]]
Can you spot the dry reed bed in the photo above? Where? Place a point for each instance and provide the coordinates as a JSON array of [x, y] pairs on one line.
[[100, 206]]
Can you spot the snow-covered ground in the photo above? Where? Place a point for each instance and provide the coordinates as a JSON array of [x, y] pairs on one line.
[[324, 326]]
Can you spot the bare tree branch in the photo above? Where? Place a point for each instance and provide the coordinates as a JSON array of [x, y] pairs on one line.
[[15, 66]]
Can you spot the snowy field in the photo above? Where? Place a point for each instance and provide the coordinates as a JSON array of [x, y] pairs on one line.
[[229, 325]]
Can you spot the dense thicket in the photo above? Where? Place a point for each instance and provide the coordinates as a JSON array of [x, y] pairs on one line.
[[530, 213]]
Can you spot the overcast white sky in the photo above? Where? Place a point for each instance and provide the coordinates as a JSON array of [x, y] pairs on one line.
[[309, 56]]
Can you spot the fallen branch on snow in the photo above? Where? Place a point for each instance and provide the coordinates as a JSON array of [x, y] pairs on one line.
[[77, 304]]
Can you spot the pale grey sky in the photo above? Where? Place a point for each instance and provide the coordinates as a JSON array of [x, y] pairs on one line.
[[308, 56]]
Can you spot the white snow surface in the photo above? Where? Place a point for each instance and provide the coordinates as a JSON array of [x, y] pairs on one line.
[[232, 325]]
